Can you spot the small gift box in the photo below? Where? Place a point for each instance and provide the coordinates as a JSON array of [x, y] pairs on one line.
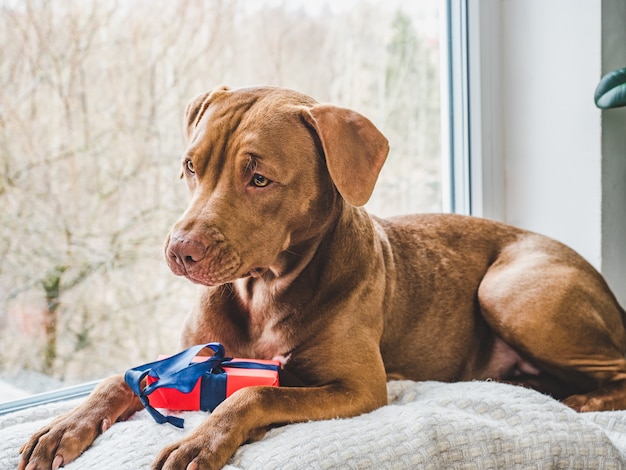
[[187, 381]]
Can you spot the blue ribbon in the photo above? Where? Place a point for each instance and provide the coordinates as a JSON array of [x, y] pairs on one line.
[[181, 373]]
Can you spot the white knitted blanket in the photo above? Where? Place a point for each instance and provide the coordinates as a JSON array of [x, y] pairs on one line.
[[431, 425]]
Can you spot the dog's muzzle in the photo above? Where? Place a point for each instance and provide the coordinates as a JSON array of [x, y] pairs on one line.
[[204, 258]]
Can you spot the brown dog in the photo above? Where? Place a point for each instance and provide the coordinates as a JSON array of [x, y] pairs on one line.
[[294, 269]]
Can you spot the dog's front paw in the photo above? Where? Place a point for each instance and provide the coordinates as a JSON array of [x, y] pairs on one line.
[[189, 454], [60, 442], [208, 447], [66, 437]]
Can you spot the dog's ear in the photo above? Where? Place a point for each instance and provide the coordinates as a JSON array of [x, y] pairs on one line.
[[196, 108], [355, 150]]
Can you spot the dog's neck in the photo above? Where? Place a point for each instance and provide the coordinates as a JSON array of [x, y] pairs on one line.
[[276, 279], [261, 299], [296, 269]]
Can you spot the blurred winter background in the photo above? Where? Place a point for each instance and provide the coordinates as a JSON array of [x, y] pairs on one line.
[[92, 94]]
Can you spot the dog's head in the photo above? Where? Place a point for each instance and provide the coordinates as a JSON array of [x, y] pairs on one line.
[[267, 169]]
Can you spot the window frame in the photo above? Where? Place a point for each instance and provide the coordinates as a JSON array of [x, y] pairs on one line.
[[455, 99], [53, 396], [473, 131]]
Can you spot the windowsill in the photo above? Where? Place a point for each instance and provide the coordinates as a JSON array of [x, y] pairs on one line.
[[68, 393]]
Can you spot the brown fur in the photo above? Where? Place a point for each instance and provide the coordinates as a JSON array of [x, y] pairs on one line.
[[293, 269]]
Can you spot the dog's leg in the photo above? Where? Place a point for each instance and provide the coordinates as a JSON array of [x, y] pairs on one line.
[[66, 437], [249, 412], [558, 312]]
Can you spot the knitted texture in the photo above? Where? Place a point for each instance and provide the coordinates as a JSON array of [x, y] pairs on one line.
[[430, 425]]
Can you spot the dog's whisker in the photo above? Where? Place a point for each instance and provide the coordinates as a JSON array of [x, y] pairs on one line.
[[291, 252]]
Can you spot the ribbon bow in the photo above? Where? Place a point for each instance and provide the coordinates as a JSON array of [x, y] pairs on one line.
[[179, 372]]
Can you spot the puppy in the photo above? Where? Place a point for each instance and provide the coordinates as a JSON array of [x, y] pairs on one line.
[[291, 267]]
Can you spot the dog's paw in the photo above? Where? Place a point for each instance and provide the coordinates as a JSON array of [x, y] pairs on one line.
[[206, 448], [66, 437], [589, 402], [583, 403], [187, 454], [61, 442], [610, 396]]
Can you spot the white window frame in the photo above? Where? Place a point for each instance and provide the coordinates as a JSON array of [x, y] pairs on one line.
[[470, 91], [455, 99], [487, 177]]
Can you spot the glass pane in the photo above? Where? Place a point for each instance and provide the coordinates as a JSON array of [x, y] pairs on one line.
[[91, 101]]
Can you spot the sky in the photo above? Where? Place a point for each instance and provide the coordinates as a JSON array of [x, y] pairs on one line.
[[425, 13]]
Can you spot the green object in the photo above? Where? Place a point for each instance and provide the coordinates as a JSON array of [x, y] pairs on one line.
[[611, 91]]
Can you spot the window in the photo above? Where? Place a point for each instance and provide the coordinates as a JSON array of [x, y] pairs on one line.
[[90, 136]]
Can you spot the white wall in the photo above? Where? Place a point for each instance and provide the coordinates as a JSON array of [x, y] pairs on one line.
[[550, 60], [540, 132], [614, 153]]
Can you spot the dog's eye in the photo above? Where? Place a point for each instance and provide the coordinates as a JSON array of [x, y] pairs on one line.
[[260, 181], [189, 166]]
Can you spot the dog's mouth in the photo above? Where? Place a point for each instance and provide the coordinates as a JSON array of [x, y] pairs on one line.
[[211, 263], [213, 280]]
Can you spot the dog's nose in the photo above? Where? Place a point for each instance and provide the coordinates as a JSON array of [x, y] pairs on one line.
[[185, 252]]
